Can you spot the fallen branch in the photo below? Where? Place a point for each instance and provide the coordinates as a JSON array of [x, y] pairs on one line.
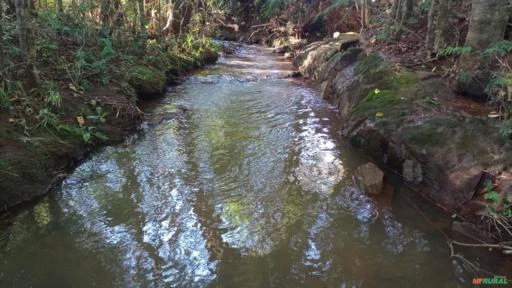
[[232, 26], [501, 245], [474, 267], [254, 32], [262, 25]]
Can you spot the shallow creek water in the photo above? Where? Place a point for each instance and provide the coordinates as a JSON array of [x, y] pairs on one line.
[[242, 180]]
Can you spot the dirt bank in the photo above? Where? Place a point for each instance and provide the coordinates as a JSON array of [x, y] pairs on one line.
[[31, 163]]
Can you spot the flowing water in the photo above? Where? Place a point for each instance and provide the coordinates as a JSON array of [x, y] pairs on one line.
[[242, 180]]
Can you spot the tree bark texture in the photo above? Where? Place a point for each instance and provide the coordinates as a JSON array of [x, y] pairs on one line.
[[24, 29], [487, 24]]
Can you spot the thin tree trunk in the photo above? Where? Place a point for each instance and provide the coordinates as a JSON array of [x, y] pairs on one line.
[[105, 7], [431, 35], [168, 25], [24, 27], [132, 7], [2, 55], [21, 27], [74, 8], [408, 6], [185, 18], [60, 6], [442, 25], [365, 13], [142, 16], [395, 9], [118, 14], [158, 20], [142, 19]]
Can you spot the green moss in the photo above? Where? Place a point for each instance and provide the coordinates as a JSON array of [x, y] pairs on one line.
[[146, 81], [236, 212], [380, 101], [424, 135], [404, 79], [352, 52], [432, 133], [293, 208], [329, 54], [335, 58], [369, 63], [180, 64], [144, 74], [41, 213]]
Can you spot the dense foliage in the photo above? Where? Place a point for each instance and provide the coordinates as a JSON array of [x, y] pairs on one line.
[[57, 55]]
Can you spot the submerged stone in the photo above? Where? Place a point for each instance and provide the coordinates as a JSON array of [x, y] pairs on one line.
[[369, 178]]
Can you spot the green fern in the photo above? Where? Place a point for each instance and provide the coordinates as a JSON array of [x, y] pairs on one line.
[[271, 7], [501, 48], [4, 99], [452, 51]]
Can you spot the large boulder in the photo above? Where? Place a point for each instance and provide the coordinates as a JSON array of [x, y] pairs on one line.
[[369, 178]]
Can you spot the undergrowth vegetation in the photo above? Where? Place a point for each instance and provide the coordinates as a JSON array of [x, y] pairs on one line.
[[498, 215], [81, 53]]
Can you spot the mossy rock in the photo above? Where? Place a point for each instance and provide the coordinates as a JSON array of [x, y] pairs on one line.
[[404, 79], [209, 56], [147, 82], [387, 92], [372, 62], [435, 132], [473, 84], [348, 57], [385, 102], [299, 60]]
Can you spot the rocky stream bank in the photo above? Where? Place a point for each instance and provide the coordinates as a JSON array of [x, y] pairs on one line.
[[405, 120]]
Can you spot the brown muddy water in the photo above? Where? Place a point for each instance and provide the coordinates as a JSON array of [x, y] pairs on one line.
[[244, 182]]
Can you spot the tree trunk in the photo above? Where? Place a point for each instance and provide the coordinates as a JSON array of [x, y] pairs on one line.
[[105, 7], [442, 24], [365, 13], [74, 8], [168, 25], [2, 55], [142, 16], [60, 6], [487, 24], [407, 8], [131, 6], [24, 27], [142, 20], [431, 35], [396, 9]]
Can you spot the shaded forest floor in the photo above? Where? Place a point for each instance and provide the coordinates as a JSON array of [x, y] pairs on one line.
[[407, 51]]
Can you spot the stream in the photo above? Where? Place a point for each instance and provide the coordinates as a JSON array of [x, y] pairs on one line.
[[242, 179]]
